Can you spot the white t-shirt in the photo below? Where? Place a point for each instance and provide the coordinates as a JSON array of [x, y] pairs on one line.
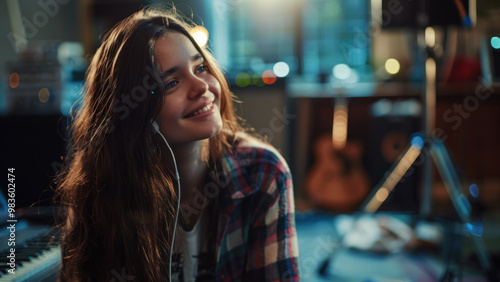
[[192, 260]]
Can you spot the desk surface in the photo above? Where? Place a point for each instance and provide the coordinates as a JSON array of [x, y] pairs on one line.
[[317, 233]]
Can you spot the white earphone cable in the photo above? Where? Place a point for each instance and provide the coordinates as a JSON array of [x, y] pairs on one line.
[[155, 125]]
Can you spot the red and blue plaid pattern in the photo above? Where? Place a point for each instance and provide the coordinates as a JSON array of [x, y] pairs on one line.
[[256, 236]]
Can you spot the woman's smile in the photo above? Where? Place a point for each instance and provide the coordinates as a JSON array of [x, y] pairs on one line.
[[202, 112]]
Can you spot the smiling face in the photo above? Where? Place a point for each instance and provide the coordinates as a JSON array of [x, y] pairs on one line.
[[192, 97]]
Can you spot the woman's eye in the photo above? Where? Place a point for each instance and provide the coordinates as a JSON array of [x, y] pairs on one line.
[[202, 68], [170, 84]]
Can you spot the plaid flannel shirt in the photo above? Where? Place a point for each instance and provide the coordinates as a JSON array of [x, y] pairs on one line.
[[256, 236]]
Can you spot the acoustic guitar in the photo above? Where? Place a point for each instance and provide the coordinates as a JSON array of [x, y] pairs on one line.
[[337, 180]]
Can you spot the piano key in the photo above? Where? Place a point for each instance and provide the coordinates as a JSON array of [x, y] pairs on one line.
[[38, 268], [37, 254]]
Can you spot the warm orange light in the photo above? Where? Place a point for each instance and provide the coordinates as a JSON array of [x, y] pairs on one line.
[[200, 35], [269, 77], [339, 133], [14, 80], [394, 177], [382, 194]]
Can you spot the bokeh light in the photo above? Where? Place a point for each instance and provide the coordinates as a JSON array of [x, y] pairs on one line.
[[256, 79], [392, 66], [474, 190], [257, 64], [242, 79], [281, 69], [495, 42], [44, 95], [268, 77], [430, 36], [417, 142], [339, 133], [200, 35], [341, 71], [14, 80], [382, 194]]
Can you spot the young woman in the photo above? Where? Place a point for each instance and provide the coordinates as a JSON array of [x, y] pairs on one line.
[[156, 145]]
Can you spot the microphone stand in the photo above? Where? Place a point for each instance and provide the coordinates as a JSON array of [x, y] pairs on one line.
[[434, 152], [378, 196]]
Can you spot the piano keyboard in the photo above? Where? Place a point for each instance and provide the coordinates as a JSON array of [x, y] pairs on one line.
[[37, 254]]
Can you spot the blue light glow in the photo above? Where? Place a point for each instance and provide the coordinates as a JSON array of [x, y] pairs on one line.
[[495, 42], [417, 142], [475, 229], [341, 71], [474, 190]]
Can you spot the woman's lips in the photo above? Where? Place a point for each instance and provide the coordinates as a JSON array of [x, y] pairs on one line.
[[205, 111]]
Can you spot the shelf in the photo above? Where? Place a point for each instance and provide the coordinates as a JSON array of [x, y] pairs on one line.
[[300, 89]]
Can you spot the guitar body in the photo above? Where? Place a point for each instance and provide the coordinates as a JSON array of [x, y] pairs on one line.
[[337, 181]]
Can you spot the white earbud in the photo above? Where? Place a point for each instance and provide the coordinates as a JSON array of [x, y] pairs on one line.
[[155, 126]]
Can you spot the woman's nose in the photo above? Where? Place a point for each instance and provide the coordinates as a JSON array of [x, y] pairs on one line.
[[198, 87]]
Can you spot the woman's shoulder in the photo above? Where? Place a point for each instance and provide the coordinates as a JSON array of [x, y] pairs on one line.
[[250, 150], [255, 165], [246, 140]]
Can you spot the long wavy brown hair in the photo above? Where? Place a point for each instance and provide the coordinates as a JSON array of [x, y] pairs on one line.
[[119, 197]]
